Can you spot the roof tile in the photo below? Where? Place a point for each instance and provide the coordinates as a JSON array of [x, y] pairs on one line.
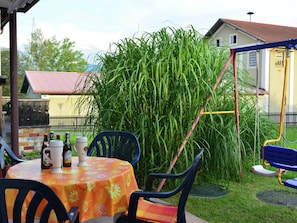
[[261, 31], [45, 82]]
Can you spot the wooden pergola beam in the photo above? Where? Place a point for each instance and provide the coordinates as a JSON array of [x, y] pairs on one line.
[[9, 11]]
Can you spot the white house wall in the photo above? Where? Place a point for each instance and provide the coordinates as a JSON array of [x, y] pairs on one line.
[[243, 39]]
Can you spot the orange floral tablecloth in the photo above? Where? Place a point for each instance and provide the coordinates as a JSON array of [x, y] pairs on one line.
[[100, 189]]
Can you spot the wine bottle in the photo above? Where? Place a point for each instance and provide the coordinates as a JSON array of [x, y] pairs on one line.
[[52, 135], [67, 151], [45, 154]]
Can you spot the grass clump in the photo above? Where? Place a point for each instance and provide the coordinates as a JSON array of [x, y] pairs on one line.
[[155, 86]]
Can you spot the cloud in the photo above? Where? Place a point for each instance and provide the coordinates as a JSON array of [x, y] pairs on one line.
[[94, 25], [87, 41]]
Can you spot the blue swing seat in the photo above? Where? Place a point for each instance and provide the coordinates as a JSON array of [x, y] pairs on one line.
[[291, 183], [282, 158]]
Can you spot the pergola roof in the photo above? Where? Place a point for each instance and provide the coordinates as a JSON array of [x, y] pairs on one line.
[[9, 6]]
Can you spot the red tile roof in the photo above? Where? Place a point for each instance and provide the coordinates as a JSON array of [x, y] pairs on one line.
[[45, 82], [262, 32]]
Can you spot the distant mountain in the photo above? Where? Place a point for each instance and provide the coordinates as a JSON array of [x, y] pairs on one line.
[[92, 68]]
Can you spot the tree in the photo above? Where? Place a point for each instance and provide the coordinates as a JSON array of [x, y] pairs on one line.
[[43, 54], [5, 70]]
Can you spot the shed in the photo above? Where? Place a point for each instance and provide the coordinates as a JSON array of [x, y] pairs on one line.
[[62, 89]]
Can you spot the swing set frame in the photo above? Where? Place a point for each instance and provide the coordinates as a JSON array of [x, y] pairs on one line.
[[288, 44]]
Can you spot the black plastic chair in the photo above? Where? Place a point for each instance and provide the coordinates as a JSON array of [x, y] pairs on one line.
[[4, 148], [143, 209], [116, 144], [43, 199]]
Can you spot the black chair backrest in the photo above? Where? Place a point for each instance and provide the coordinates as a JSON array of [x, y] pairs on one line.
[[41, 195], [116, 144], [186, 185], [187, 178], [4, 148]]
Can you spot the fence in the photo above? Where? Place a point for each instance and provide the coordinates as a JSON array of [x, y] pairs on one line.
[[66, 122], [78, 122], [290, 117]]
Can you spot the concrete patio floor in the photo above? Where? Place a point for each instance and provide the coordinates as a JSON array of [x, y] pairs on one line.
[[189, 218], [194, 219]]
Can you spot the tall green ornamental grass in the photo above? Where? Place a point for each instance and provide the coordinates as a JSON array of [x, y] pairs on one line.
[[155, 86]]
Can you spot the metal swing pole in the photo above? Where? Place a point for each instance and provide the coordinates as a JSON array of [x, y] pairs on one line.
[[256, 126], [236, 110]]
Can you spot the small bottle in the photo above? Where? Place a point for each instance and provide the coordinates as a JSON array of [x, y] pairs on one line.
[[45, 154], [67, 151], [59, 138], [52, 135]]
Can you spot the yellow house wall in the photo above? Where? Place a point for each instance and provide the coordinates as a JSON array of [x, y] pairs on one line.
[[295, 82], [276, 82], [276, 79], [65, 105]]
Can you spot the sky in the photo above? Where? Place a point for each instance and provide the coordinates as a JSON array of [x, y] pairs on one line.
[[94, 24]]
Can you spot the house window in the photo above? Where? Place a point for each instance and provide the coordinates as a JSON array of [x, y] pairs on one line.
[[233, 39], [218, 42], [252, 59]]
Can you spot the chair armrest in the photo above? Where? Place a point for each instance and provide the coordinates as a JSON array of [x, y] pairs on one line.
[[135, 160], [73, 214], [151, 177], [15, 159], [151, 194]]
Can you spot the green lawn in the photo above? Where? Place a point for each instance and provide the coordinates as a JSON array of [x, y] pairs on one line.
[[290, 134], [241, 203]]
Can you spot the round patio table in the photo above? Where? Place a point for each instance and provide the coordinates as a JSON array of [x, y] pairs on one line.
[[102, 188]]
